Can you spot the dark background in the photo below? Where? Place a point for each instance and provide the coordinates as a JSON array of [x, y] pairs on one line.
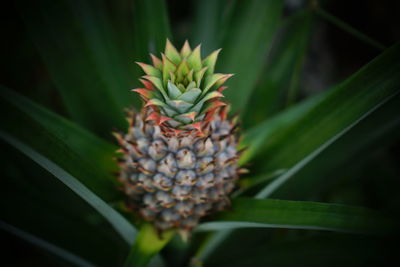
[[333, 55]]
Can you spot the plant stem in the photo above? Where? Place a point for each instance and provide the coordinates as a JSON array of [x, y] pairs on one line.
[[344, 26], [147, 244]]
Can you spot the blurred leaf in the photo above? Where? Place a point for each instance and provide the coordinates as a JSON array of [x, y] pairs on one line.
[[247, 212], [248, 183], [246, 41], [33, 201], [151, 27], [72, 151], [67, 256], [147, 244], [280, 80], [78, 46], [376, 131], [340, 107], [121, 225], [274, 185], [255, 138], [83, 155], [210, 23], [253, 141]]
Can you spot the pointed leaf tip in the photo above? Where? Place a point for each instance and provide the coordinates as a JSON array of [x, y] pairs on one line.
[[149, 70], [186, 50], [216, 79], [154, 102], [168, 67], [156, 61], [194, 59], [144, 92], [172, 53], [211, 60], [147, 84]]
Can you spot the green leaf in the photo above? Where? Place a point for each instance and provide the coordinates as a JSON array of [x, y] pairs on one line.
[[148, 244], [256, 20], [172, 53], [151, 27], [285, 139], [274, 185], [210, 16], [273, 213], [280, 79], [78, 46], [198, 76], [337, 109], [214, 79], [194, 59], [80, 153], [43, 244], [255, 138], [375, 132], [35, 202], [120, 224], [210, 61], [150, 70], [190, 95], [168, 66], [247, 183], [173, 91], [80, 160]]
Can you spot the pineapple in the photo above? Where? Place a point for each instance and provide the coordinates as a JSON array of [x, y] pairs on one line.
[[179, 157]]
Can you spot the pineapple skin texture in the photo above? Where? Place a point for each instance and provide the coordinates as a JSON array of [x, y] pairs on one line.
[[175, 180]]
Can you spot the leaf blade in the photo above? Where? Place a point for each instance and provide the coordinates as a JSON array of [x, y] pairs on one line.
[[245, 56], [301, 215], [78, 46], [79, 152], [120, 224], [340, 107]]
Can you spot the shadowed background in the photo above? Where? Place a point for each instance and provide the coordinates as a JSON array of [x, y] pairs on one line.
[[76, 58]]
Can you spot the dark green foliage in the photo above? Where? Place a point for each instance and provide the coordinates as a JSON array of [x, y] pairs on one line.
[[329, 153]]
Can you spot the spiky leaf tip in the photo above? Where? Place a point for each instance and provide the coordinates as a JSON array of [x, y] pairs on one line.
[[181, 83]]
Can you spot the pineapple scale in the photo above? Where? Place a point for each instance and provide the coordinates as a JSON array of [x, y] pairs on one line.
[[174, 181]]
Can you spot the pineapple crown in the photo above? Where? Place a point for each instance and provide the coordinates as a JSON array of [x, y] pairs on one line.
[[181, 90]]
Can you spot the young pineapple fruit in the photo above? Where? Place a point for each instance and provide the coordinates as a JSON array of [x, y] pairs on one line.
[[179, 158]]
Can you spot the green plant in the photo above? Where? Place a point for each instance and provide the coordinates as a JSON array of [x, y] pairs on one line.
[[60, 191]]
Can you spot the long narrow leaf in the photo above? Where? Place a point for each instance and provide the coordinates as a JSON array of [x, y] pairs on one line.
[[121, 225], [209, 22], [300, 215], [341, 106], [151, 27], [78, 46], [255, 138], [374, 133], [284, 143], [274, 185], [280, 79], [83, 155], [51, 211], [256, 20]]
